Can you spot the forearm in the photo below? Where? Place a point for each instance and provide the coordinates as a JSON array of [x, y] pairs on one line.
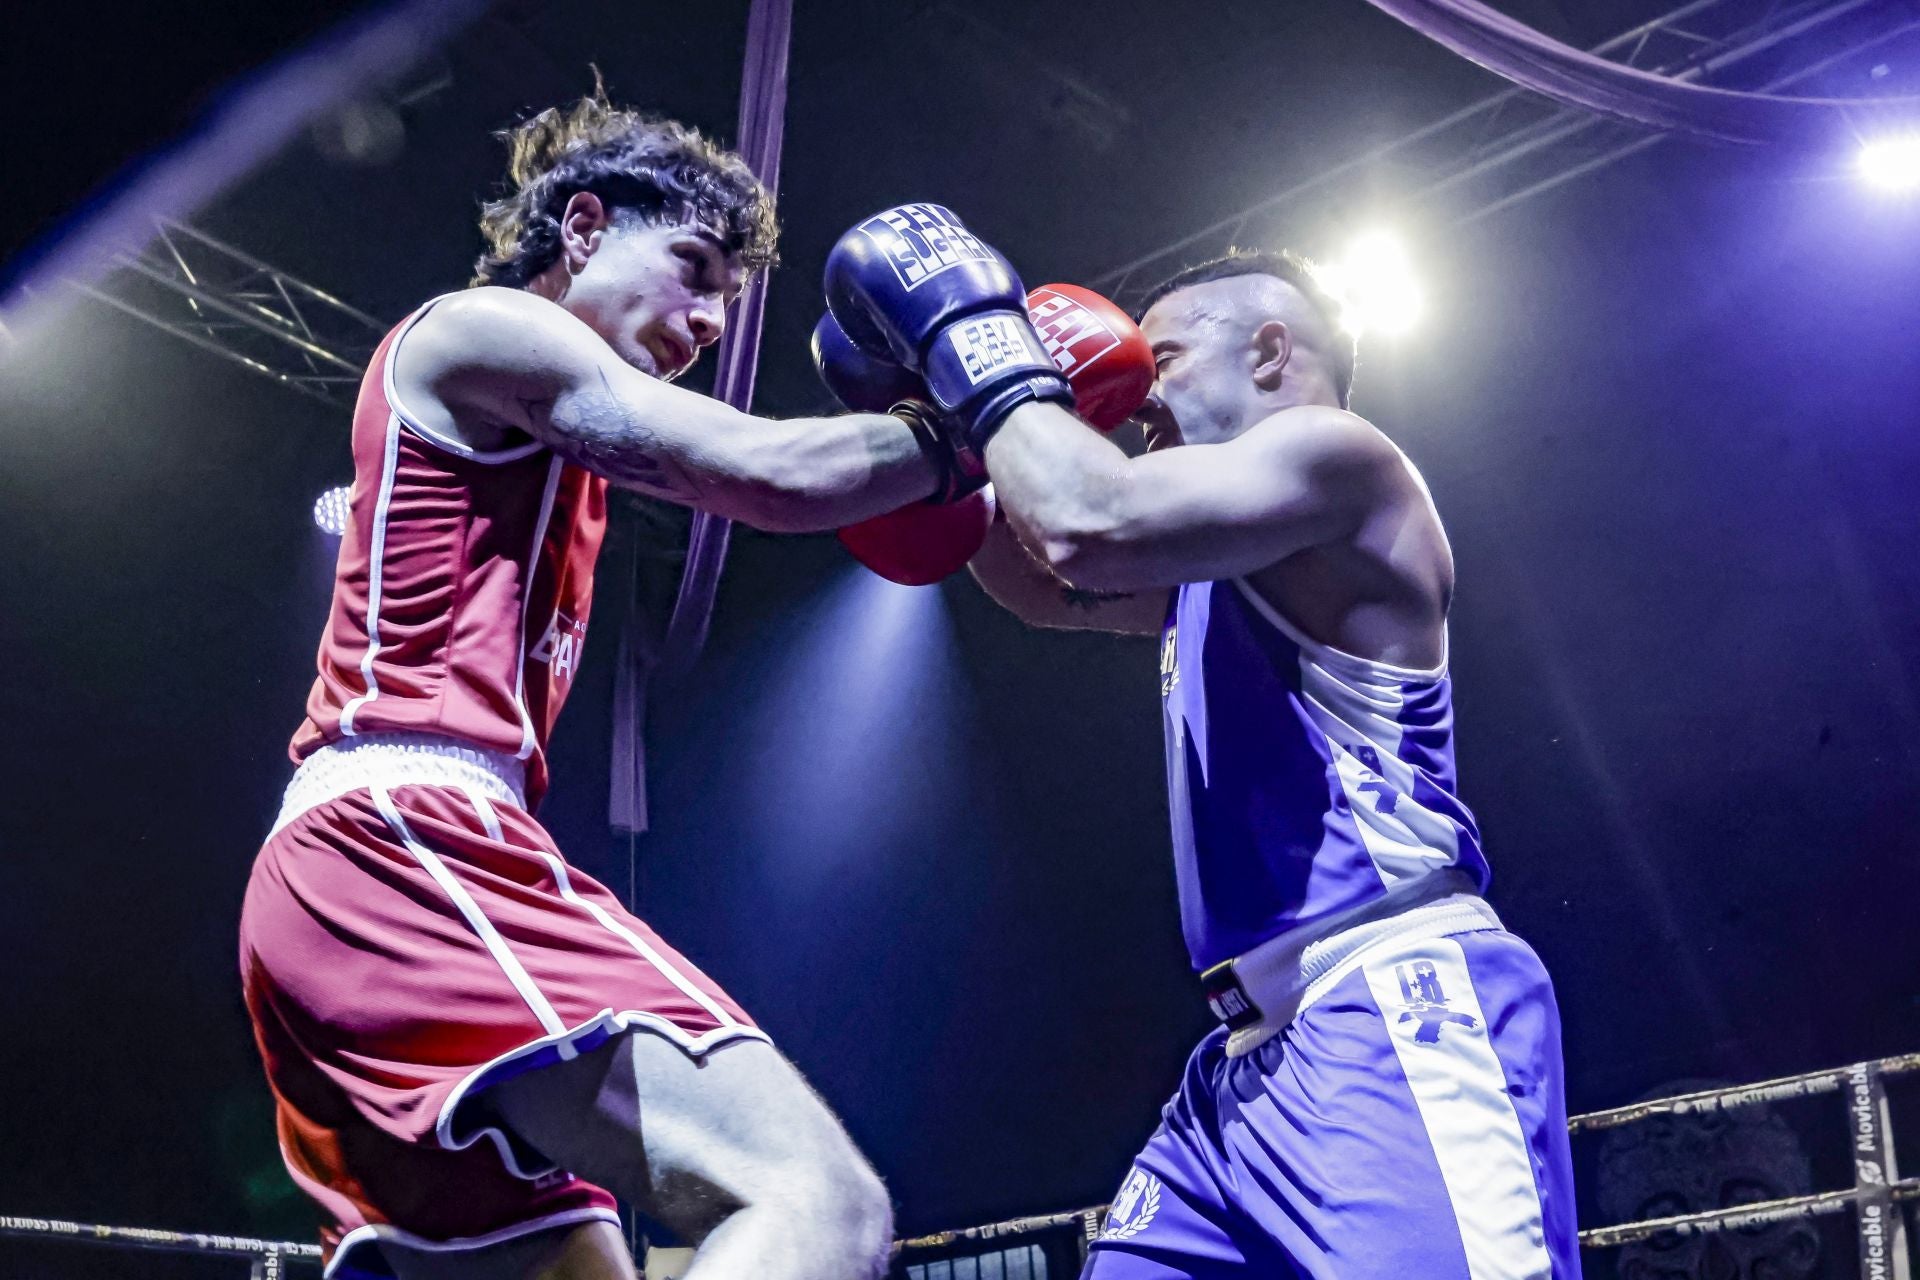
[[1011, 577], [795, 475], [1064, 487], [808, 474], [1015, 580]]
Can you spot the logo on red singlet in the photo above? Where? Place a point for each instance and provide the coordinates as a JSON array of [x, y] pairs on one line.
[[1072, 335], [560, 647]]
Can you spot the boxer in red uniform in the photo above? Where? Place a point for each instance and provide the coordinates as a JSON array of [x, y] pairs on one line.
[[470, 1043]]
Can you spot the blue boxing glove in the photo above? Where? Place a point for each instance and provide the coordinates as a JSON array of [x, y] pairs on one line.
[[863, 383], [914, 285], [876, 384]]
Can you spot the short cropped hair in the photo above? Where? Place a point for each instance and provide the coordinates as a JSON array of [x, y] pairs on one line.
[[1289, 268], [662, 170]]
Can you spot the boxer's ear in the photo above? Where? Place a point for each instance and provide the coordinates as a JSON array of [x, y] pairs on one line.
[[1272, 353], [581, 224]]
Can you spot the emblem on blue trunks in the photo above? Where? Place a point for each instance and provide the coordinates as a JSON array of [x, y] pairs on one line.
[[1133, 1208], [1426, 1002], [1169, 664]]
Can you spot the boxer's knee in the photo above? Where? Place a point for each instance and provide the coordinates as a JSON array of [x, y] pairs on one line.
[[822, 1193], [584, 1251], [696, 1141], [845, 1199]]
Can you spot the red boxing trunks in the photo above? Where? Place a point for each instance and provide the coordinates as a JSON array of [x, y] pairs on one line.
[[411, 937]]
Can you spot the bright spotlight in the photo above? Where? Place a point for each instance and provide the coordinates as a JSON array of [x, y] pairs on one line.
[[1378, 289], [1891, 163], [331, 509]]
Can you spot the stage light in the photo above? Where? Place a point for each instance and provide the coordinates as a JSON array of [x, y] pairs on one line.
[[330, 510], [1375, 282], [1891, 163]]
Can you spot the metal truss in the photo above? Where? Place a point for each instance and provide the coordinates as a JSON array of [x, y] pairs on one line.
[[1516, 144], [224, 301], [1476, 162]]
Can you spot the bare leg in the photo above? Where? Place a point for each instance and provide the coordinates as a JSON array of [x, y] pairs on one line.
[[732, 1151], [588, 1251]]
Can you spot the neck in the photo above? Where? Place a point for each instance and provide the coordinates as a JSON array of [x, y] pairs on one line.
[[1290, 394], [551, 284], [1307, 388]]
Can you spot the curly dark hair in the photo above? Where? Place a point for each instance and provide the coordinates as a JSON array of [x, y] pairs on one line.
[[1291, 269], [663, 171]]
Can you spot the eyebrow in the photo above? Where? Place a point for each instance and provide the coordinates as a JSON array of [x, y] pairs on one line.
[[721, 262], [1165, 345]]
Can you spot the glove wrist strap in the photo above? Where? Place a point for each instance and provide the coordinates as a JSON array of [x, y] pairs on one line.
[[981, 368], [959, 469], [984, 420]]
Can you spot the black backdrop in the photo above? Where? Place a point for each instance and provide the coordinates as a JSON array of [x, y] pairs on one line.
[[1668, 412]]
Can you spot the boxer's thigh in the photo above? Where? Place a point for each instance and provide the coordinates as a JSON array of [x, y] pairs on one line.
[[691, 1139], [1409, 1121], [1523, 1024], [585, 1251], [1172, 1219], [1177, 1212]]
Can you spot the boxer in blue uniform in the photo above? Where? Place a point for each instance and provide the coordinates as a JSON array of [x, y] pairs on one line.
[[1384, 1095]]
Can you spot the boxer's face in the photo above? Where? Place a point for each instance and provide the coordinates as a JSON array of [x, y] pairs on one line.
[[657, 294], [1204, 361]]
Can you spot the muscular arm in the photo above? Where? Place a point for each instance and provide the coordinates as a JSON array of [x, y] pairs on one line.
[[1105, 522], [500, 358], [1023, 586]]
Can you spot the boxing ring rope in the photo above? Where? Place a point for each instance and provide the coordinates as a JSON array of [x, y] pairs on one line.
[[1876, 1192], [1806, 1085], [267, 1255]]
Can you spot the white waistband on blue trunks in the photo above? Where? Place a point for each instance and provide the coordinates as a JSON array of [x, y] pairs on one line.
[[1284, 975], [399, 760]]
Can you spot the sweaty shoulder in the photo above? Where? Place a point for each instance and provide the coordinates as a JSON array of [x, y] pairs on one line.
[[1379, 586], [1336, 463], [464, 364], [489, 329], [1328, 442]]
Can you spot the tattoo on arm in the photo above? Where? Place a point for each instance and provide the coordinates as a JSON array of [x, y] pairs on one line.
[[1088, 601], [609, 439]]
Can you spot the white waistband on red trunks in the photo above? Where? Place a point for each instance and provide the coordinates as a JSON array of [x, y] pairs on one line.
[[400, 760], [1284, 975]]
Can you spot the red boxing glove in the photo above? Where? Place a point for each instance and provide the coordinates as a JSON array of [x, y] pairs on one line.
[[1110, 367], [921, 543], [1098, 346]]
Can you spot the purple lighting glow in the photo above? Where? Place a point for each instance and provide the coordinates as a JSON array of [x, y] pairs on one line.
[[854, 733]]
